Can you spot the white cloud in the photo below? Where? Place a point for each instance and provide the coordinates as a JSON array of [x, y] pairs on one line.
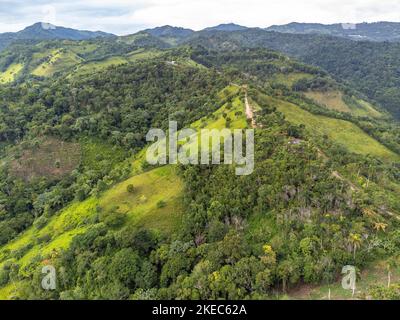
[[127, 16]]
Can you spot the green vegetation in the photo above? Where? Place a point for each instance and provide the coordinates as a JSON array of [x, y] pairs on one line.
[[369, 67], [160, 184], [142, 54], [153, 202], [56, 61], [370, 281], [290, 78], [331, 100], [340, 131], [81, 197], [364, 108], [11, 73], [96, 66]]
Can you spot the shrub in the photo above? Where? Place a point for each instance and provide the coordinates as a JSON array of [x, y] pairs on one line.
[[113, 219], [40, 222], [161, 204], [130, 188]]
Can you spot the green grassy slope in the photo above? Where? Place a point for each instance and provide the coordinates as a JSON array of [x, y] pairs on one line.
[[331, 100], [11, 73], [338, 101], [340, 131], [45, 59], [155, 202], [290, 78], [141, 208], [96, 66], [57, 60]]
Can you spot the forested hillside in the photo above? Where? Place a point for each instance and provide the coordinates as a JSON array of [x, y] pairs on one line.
[[77, 193], [378, 31], [370, 67]]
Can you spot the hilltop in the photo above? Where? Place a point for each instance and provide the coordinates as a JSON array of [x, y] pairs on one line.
[[47, 31], [226, 27]]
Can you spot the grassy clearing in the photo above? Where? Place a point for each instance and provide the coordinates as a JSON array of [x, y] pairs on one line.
[[229, 92], [152, 204], [155, 204], [233, 114], [220, 118], [363, 108], [330, 100], [7, 292], [191, 63], [55, 235], [340, 131], [291, 78], [335, 100], [97, 66], [58, 60], [81, 48], [217, 120], [53, 158], [11, 73], [143, 54]]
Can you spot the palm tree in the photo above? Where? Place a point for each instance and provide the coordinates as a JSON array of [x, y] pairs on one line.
[[355, 240]]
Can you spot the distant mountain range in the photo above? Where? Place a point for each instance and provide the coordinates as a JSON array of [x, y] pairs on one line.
[[379, 31], [370, 66], [174, 35], [169, 31], [46, 31]]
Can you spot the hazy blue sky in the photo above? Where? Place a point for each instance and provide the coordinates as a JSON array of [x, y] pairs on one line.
[[128, 16]]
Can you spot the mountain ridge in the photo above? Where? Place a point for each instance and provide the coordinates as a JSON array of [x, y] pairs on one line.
[[226, 27], [375, 31], [47, 31], [167, 30]]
